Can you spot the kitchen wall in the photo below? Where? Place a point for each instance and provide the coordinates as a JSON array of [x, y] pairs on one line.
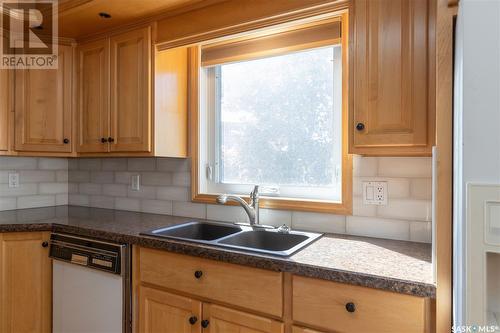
[[43, 182], [165, 189]]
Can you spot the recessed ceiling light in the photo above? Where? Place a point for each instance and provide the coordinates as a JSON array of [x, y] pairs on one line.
[[104, 15]]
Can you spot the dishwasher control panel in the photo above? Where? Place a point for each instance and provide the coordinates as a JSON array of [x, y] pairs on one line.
[[87, 252]]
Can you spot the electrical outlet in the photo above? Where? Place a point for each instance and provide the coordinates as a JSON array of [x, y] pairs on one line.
[[375, 193], [136, 182], [13, 180]]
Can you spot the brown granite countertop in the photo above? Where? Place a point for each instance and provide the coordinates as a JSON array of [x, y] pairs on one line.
[[398, 266]]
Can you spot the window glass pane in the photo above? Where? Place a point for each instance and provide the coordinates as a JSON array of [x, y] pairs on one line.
[[277, 118]]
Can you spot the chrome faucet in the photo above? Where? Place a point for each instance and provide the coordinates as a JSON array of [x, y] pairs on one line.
[[251, 209]]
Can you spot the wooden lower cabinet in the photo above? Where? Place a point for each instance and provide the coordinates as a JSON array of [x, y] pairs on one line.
[[25, 283], [160, 311], [224, 320], [297, 329]]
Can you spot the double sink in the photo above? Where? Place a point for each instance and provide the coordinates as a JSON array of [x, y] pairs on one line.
[[248, 238]]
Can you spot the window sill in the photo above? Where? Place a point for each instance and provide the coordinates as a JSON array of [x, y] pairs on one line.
[[343, 208]]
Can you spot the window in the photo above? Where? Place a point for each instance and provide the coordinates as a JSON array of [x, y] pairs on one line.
[[271, 112]]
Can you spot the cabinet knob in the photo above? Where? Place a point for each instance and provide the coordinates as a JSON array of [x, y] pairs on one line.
[[193, 320], [198, 274], [360, 126], [104, 140], [45, 244], [66, 141], [110, 139], [205, 323], [350, 307]]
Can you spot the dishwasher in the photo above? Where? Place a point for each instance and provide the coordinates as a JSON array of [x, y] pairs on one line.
[[91, 291]]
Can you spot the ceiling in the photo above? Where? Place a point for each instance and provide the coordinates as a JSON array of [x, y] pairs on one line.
[[79, 18]]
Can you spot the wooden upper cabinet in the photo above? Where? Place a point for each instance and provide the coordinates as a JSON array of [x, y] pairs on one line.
[[160, 311], [391, 82], [4, 109], [130, 111], [25, 283], [93, 96], [43, 107]]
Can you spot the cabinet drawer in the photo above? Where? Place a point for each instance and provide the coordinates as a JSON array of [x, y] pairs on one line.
[[323, 304], [250, 288]]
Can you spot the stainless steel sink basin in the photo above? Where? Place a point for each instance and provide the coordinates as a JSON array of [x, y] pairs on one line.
[[197, 231], [269, 241]]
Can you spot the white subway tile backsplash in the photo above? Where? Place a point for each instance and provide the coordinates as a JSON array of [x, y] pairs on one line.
[[62, 176], [8, 203], [35, 201], [52, 164], [90, 189], [156, 207], [189, 209], [101, 201], [23, 189], [226, 213], [173, 164], [79, 199], [360, 209], [275, 217], [144, 192], [181, 178], [128, 204], [114, 190], [156, 178], [91, 164], [419, 210], [114, 164], [61, 199], [365, 166], [405, 167], [18, 163], [76, 176], [124, 177], [52, 188], [318, 222], [421, 232], [36, 176], [102, 177], [421, 188], [377, 227], [174, 193], [141, 164]]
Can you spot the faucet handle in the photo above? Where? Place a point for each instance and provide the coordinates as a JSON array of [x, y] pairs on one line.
[[255, 191]]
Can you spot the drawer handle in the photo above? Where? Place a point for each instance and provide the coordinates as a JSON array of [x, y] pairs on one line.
[[193, 320], [45, 244], [66, 141], [110, 139], [104, 140], [360, 126], [205, 323], [198, 274], [350, 307]]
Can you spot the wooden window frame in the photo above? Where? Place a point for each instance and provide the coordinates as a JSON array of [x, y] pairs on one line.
[[342, 208]]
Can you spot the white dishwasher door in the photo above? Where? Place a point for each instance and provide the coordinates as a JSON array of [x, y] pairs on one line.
[[86, 300]]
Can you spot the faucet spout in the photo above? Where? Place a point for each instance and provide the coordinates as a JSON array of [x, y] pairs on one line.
[[251, 209]]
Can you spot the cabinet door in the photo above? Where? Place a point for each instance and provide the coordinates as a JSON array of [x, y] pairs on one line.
[[225, 320], [25, 283], [131, 92], [93, 100], [4, 109], [392, 114], [43, 106], [160, 311]]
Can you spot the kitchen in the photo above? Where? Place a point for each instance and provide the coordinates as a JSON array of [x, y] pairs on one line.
[[240, 166]]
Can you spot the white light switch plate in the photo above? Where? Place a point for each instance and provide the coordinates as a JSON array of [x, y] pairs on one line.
[[375, 193], [136, 182], [13, 180]]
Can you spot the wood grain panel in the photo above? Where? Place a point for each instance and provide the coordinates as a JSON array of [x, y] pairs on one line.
[[93, 96], [391, 78], [296, 329], [224, 320], [130, 110], [43, 106], [160, 311], [25, 283], [4, 109], [250, 288], [322, 304]]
